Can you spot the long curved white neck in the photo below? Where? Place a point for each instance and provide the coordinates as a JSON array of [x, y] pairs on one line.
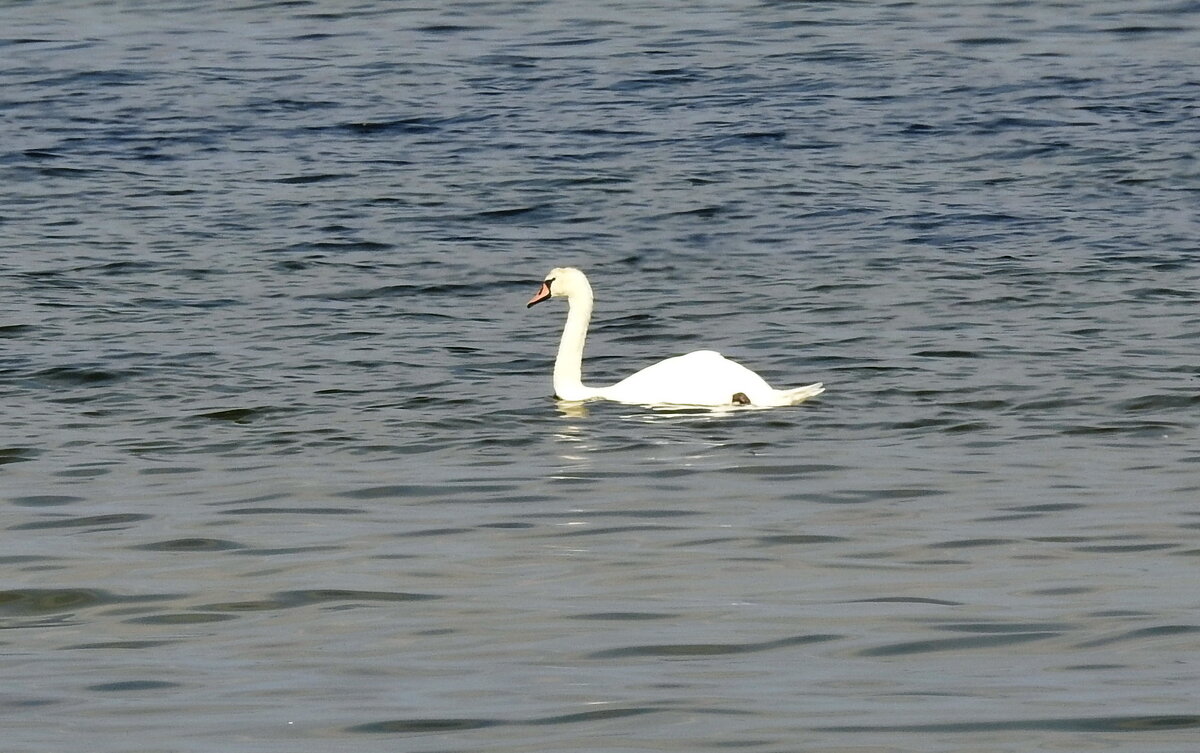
[[568, 365]]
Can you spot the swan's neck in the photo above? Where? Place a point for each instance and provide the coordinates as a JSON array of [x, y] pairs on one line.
[[568, 366]]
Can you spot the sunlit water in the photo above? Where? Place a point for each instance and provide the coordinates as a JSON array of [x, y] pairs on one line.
[[281, 470]]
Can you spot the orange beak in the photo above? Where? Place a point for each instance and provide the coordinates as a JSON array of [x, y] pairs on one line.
[[542, 294]]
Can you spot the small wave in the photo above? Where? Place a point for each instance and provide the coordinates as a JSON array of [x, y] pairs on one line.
[[190, 545], [79, 376], [132, 686], [708, 649], [96, 522], [45, 500], [988, 41], [44, 601], [1144, 634], [313, 178], [235, 415], [331, 246], [1066, 724], [16, 330], [456, 724], [955, 644], [17, 454], [293, 599]]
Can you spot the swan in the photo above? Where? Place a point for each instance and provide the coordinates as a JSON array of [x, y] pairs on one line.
[[701, 378]]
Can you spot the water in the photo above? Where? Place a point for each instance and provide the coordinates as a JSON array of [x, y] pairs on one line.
[[280, 466]]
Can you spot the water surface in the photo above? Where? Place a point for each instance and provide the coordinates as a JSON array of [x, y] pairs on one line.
[[280, 468]]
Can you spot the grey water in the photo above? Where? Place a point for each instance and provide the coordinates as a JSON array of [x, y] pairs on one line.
[[280, 466]]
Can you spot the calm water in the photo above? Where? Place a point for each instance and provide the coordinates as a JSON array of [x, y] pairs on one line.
[[279, 465]]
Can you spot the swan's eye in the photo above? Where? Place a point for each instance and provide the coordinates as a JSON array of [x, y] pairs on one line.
[[548, 281]]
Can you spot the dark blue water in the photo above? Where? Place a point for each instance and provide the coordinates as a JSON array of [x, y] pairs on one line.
[[280, 469]]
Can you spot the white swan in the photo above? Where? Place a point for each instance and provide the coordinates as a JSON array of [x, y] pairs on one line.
[[704, 378]]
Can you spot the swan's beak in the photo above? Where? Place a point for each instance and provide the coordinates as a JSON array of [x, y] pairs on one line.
[[542, 294]]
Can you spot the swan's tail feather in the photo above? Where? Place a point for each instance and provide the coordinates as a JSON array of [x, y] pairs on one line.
[[800, 394]]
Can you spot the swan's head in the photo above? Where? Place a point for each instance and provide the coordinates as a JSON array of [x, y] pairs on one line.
[[563, 282]]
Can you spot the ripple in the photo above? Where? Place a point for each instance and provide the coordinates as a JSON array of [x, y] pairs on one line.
[[1144, 634], [236, 415], [128, 686], [424, 726], [1066, 724], [1126, 548], [708, 649], [190, 545], [113, 521], [119, 645], [794, 539], [45, 500], [971, 543], [910, 600], [17, 454], [293, 511], [1159, 402], [623, 616], [988, 41], [292, 331], [292, 599], [954, 644], [44, 601], [79, 376], [313, 178], [402, 126], [16, 330], [453, 724], [182, 618]]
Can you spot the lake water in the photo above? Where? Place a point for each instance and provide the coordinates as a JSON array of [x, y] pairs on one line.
[[280, 468]]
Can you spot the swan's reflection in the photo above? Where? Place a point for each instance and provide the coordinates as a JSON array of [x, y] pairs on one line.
[[572, 409], [586, 432], [581, 444]]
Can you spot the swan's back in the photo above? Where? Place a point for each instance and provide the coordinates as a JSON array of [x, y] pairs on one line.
[[703, 377]]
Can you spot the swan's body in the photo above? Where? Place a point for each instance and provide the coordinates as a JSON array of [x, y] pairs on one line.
[[704, 377]]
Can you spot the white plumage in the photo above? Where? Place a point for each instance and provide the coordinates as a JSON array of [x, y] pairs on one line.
[[703, 378]]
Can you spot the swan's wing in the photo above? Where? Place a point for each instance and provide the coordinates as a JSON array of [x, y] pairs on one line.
[[703, 377]]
